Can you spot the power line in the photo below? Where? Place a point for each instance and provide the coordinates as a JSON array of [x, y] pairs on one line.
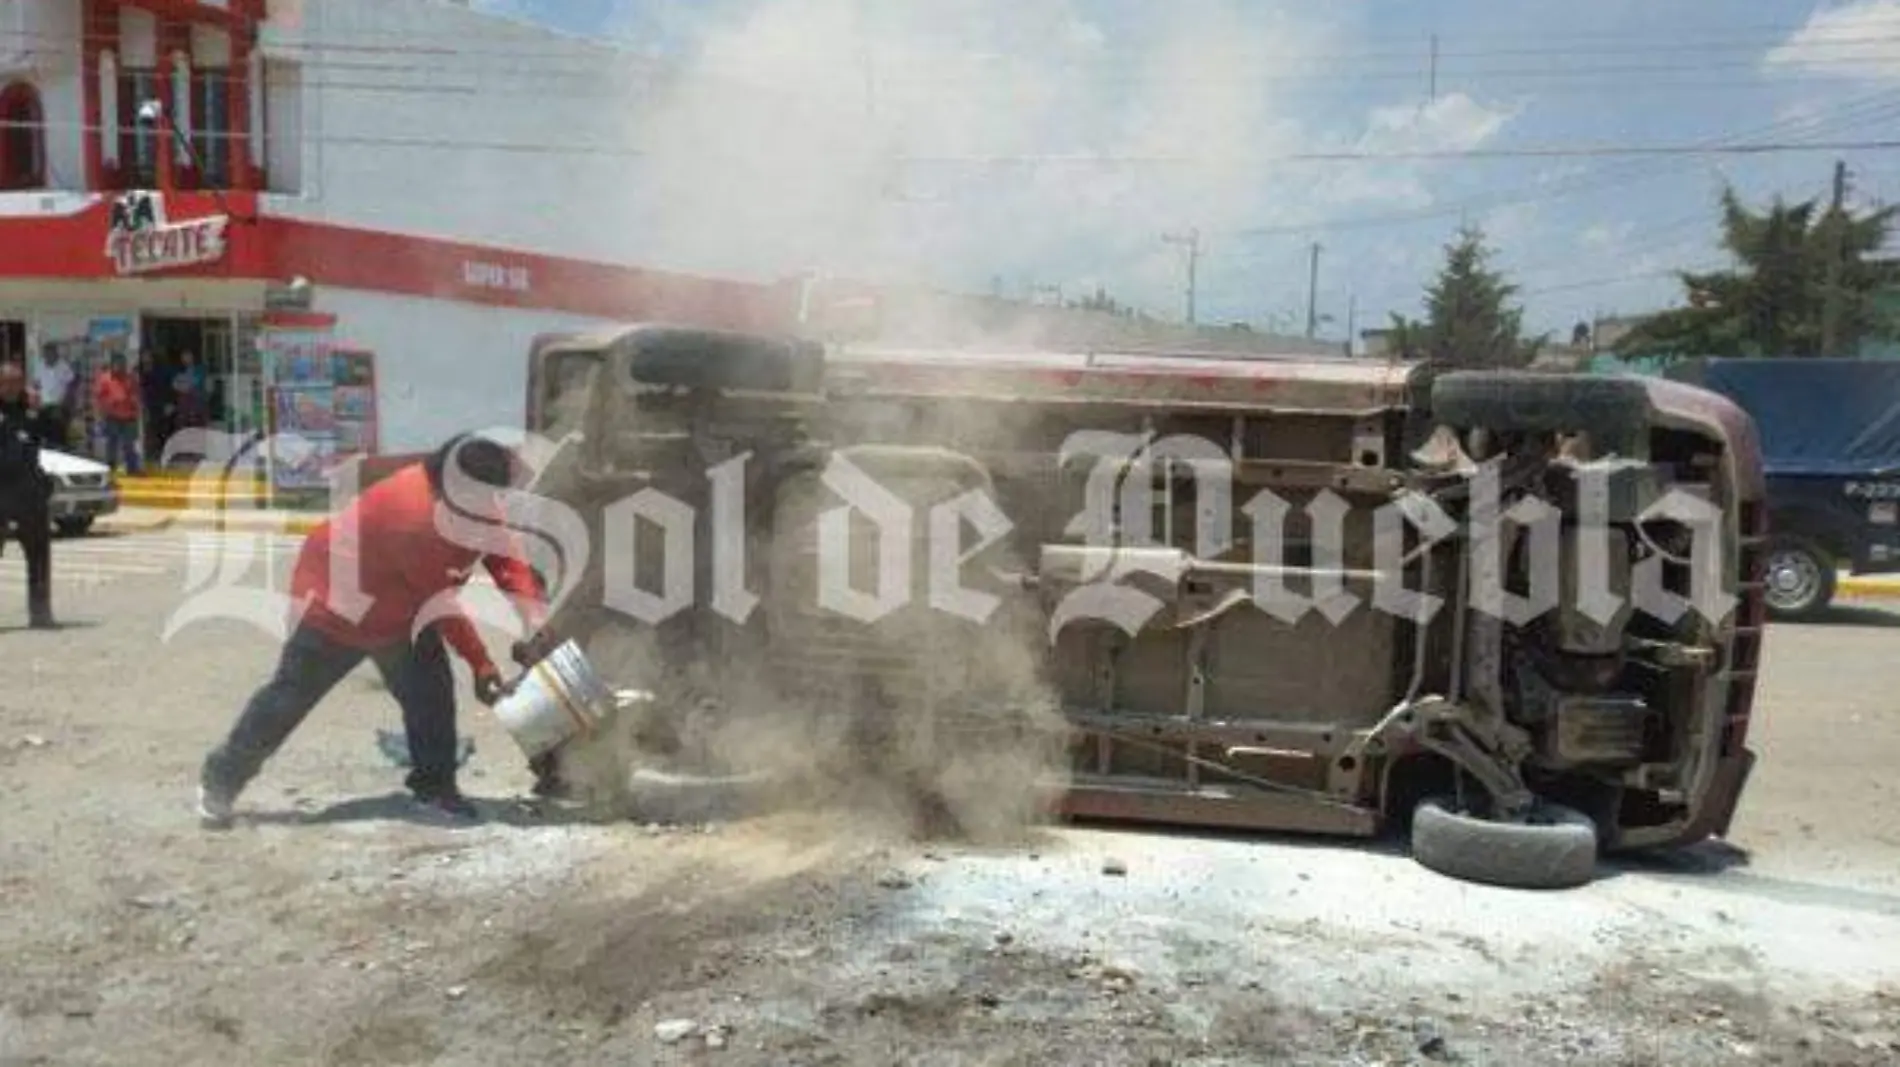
[[398, 142], [1706, 222], [1412, 155], [593, 87], [593, 51], [1846, 115], [1121, 160], [521, 67], [1615, 279], [1555, 43]]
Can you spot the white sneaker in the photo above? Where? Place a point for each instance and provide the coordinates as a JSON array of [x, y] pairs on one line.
[[214, 809]]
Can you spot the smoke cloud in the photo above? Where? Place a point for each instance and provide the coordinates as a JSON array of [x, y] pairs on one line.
[[909, 143]]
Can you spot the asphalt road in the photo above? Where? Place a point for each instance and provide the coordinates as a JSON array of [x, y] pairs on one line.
[[328, 928]]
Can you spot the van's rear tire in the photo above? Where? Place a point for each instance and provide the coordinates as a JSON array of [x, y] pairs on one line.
[[1555, 848]]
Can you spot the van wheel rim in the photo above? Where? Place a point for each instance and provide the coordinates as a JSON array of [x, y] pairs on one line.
[[1794, 579]]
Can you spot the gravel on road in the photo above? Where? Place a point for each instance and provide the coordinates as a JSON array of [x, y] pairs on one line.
[[328, 927]]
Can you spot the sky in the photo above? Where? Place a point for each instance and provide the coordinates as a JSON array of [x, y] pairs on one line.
[[1004, 145]]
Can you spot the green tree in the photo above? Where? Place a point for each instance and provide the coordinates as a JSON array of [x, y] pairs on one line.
[[1774, 302], [1468, 320]]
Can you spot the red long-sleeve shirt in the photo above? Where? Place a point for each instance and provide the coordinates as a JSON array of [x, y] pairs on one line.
[[116, 395], [399, 562]]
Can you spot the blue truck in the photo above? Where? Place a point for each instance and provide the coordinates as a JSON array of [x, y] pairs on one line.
[[1830, 443]]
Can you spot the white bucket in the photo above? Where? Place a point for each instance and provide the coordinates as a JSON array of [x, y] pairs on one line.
[[555, 700]]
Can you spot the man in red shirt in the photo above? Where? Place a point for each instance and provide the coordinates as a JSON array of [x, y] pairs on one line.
[[398, 613], [115, 395]]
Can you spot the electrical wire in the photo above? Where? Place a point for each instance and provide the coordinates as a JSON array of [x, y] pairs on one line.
[[1327, 65], [1598, 283], [447, 43], [600, 85], [1695, 228], [1846, 115], [1362, 156], [1099, 160]]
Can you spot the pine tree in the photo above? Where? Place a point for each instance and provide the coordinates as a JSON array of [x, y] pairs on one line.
[[1468, 322], [1774, 302]]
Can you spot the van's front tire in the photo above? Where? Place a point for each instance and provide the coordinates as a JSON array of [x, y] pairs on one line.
[[1554, 848]]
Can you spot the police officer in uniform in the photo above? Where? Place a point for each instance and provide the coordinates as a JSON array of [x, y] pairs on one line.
[[25, 493]]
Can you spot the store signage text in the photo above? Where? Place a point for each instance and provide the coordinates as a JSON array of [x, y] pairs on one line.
[[495, 276], [140, 238]]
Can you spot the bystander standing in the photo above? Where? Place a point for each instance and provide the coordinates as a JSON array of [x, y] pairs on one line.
[[115, 396], [54, 382]]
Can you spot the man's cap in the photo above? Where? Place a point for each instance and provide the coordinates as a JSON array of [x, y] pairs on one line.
[[474, 456]]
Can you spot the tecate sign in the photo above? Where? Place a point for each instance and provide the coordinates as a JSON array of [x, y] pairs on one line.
[[178, 244], [141, 239]]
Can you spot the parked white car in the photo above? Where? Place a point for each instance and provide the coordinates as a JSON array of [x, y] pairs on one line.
[[83, 490]]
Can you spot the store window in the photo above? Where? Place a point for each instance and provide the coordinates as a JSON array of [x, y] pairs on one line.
[[138, 142], [282, 102], [22, 138], [211, 131]]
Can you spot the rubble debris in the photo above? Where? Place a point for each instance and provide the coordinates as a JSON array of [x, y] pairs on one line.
[[1114, 867], [674, 1031], [894, 879], [1116, 979], [1431, 1044]]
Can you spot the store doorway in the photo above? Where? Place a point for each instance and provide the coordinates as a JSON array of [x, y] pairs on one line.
[[185, 373], [12, 342]]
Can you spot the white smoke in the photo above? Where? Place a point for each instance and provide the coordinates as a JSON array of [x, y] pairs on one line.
[[852, 137]]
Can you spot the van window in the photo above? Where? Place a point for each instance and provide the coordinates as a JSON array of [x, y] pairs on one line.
[[567, 380]]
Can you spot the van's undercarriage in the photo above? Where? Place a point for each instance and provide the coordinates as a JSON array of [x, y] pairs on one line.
[[1518, 612]]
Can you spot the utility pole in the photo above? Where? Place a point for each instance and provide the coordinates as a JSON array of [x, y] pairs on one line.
[[1192, 240], [1431, 95], [1837, 251], [1352, 324], [867, 60], [1312, 292]]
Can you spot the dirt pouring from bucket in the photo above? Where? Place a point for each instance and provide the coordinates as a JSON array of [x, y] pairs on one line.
[[980, 760]]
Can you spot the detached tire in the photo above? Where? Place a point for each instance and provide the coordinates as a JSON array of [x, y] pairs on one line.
[[1555, 849], [1799, 584]]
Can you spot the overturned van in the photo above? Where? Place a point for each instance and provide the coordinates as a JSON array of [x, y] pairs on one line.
[[1516, 614]]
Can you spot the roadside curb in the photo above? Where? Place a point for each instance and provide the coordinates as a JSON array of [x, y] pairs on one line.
[[261, 522], [1867, 586]]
